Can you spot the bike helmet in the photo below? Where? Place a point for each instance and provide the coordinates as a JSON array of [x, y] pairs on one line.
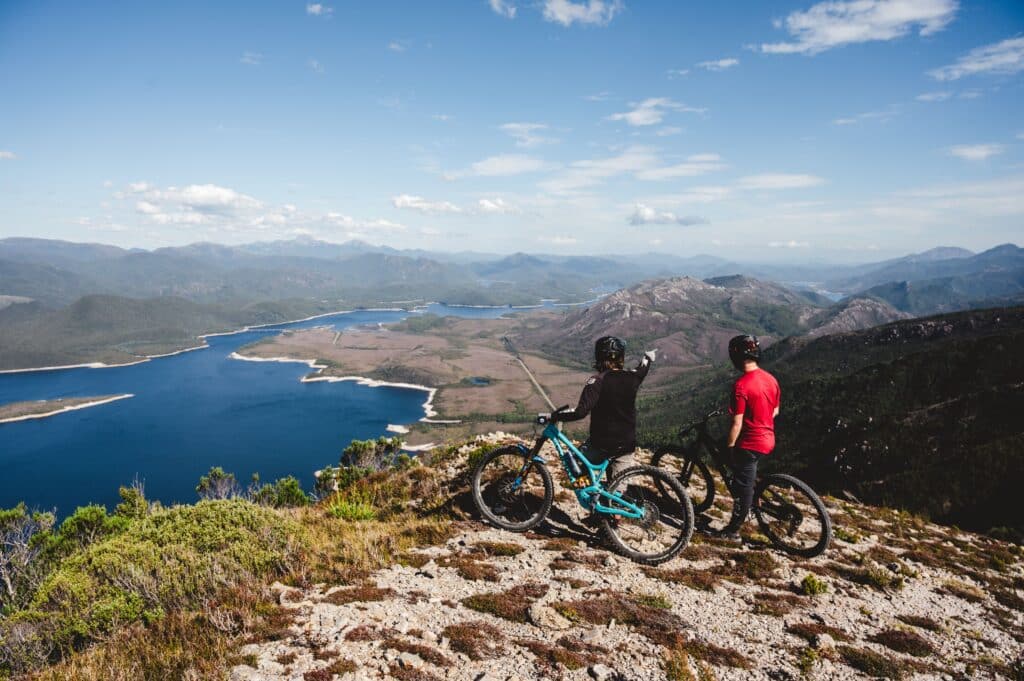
[[742, 348], [608, 349]]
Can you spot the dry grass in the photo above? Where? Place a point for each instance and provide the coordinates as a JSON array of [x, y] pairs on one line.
[[425, 653], [967, 592], [920, 622], [775, 604], [513, 604], [478, 640], [701, 580], [656, 623], [358, 594], [903, 641], [498, 548], [810, 631], [470, 567]]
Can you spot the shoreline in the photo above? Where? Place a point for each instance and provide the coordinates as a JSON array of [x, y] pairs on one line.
[[62, 410], [428, 406], [202, 337]]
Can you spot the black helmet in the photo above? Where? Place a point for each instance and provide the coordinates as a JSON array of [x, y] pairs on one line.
[[608, 349], [742, 348]]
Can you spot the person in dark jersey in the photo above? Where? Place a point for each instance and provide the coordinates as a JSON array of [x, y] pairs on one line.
[[609, 397], [754, 405]]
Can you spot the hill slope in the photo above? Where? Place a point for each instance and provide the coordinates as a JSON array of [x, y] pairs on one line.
[[918, 414]]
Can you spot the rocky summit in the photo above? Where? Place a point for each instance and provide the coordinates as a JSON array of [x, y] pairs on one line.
[[894, 597]]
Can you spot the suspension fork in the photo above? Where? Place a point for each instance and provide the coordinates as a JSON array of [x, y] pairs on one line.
[[531, 456]]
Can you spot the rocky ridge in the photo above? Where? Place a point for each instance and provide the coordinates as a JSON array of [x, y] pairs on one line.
[[894, 597]]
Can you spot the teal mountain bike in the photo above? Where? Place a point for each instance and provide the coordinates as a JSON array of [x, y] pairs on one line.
[[643, 512]]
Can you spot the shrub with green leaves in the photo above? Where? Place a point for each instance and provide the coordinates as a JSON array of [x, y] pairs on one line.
[[376, 454], [172, 559], [217, 485], [812, 586], [284, 493]]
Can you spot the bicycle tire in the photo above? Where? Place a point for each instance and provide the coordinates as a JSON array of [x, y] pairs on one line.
[[495, 501], [674, 506], [693, 474], [785, 514]]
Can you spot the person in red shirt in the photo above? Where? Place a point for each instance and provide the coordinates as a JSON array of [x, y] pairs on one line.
[[754, 406]]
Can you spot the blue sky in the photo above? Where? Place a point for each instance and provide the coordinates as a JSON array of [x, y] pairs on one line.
[[844, 131]]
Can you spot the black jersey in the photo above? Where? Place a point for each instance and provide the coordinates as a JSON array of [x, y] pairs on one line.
[[610, 399]]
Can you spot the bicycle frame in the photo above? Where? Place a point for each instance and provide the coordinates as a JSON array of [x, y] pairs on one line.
[[589, 496]]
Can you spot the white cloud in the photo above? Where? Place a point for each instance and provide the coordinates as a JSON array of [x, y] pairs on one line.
[[645, 215], [788, 244], [882, 116], [667, 131], [8, 155], [251, 58], [934, 96], [526, 135], [969, 94], [507, 164], [699, 164], [317, 9], [976, 152], [677, 73], [559, 240], [595, 12], [589, 172], [1006, 57], [418, 203], [147, 208], [836, 23], [504, 8], [770, 181], [444, 118], [497, 206], [598, 97], [718, 64], [315, 66], [398, 45], [652, 111]]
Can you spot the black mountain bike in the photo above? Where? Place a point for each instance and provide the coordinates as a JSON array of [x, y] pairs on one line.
[[788, 512]]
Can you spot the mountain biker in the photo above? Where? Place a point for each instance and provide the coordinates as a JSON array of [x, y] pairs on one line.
[[609, 396], [754, 405]]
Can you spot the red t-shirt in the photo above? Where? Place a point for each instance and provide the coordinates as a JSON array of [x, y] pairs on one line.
[[756, 395]]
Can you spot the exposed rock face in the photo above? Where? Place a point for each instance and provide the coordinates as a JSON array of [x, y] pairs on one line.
[[855, 314], [691, 320]]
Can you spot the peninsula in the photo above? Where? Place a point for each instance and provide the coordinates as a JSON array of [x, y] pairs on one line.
[[38, 409]]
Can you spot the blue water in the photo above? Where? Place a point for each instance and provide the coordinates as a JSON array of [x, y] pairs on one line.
[[190, 412]]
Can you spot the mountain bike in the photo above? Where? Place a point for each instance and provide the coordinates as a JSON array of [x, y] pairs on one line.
[[787, 510], [643, 512]]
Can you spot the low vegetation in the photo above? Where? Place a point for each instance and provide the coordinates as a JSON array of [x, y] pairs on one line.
[[156, 592]]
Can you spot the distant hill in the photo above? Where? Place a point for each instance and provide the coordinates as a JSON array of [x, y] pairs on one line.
[[690, 321], [117, 330], [918, 414], [948, 294], [930, 265]]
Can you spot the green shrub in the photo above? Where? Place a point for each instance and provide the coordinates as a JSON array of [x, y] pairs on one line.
[[376, 454], [169, 560], [349, 509], [812, 586], [845, 535], [217, 485], [133, 503], [284, 493]]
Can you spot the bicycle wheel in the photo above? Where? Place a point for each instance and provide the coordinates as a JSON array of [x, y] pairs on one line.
[[511, 491], [792, 516], [692, 473], [667, 522]]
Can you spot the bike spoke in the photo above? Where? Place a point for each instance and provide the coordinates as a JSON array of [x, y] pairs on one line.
[[791, 518]]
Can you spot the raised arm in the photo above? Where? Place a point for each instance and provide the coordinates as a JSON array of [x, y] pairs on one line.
[[588, 398]]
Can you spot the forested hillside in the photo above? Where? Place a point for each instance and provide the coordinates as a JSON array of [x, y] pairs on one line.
[[920, 414]]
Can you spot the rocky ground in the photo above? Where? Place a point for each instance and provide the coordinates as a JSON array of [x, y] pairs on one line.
[[894, 597]]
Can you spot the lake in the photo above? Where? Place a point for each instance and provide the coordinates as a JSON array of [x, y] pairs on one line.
[[192, 411]]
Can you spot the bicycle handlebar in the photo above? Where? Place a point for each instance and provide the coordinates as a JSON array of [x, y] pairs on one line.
[[700, 422]]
